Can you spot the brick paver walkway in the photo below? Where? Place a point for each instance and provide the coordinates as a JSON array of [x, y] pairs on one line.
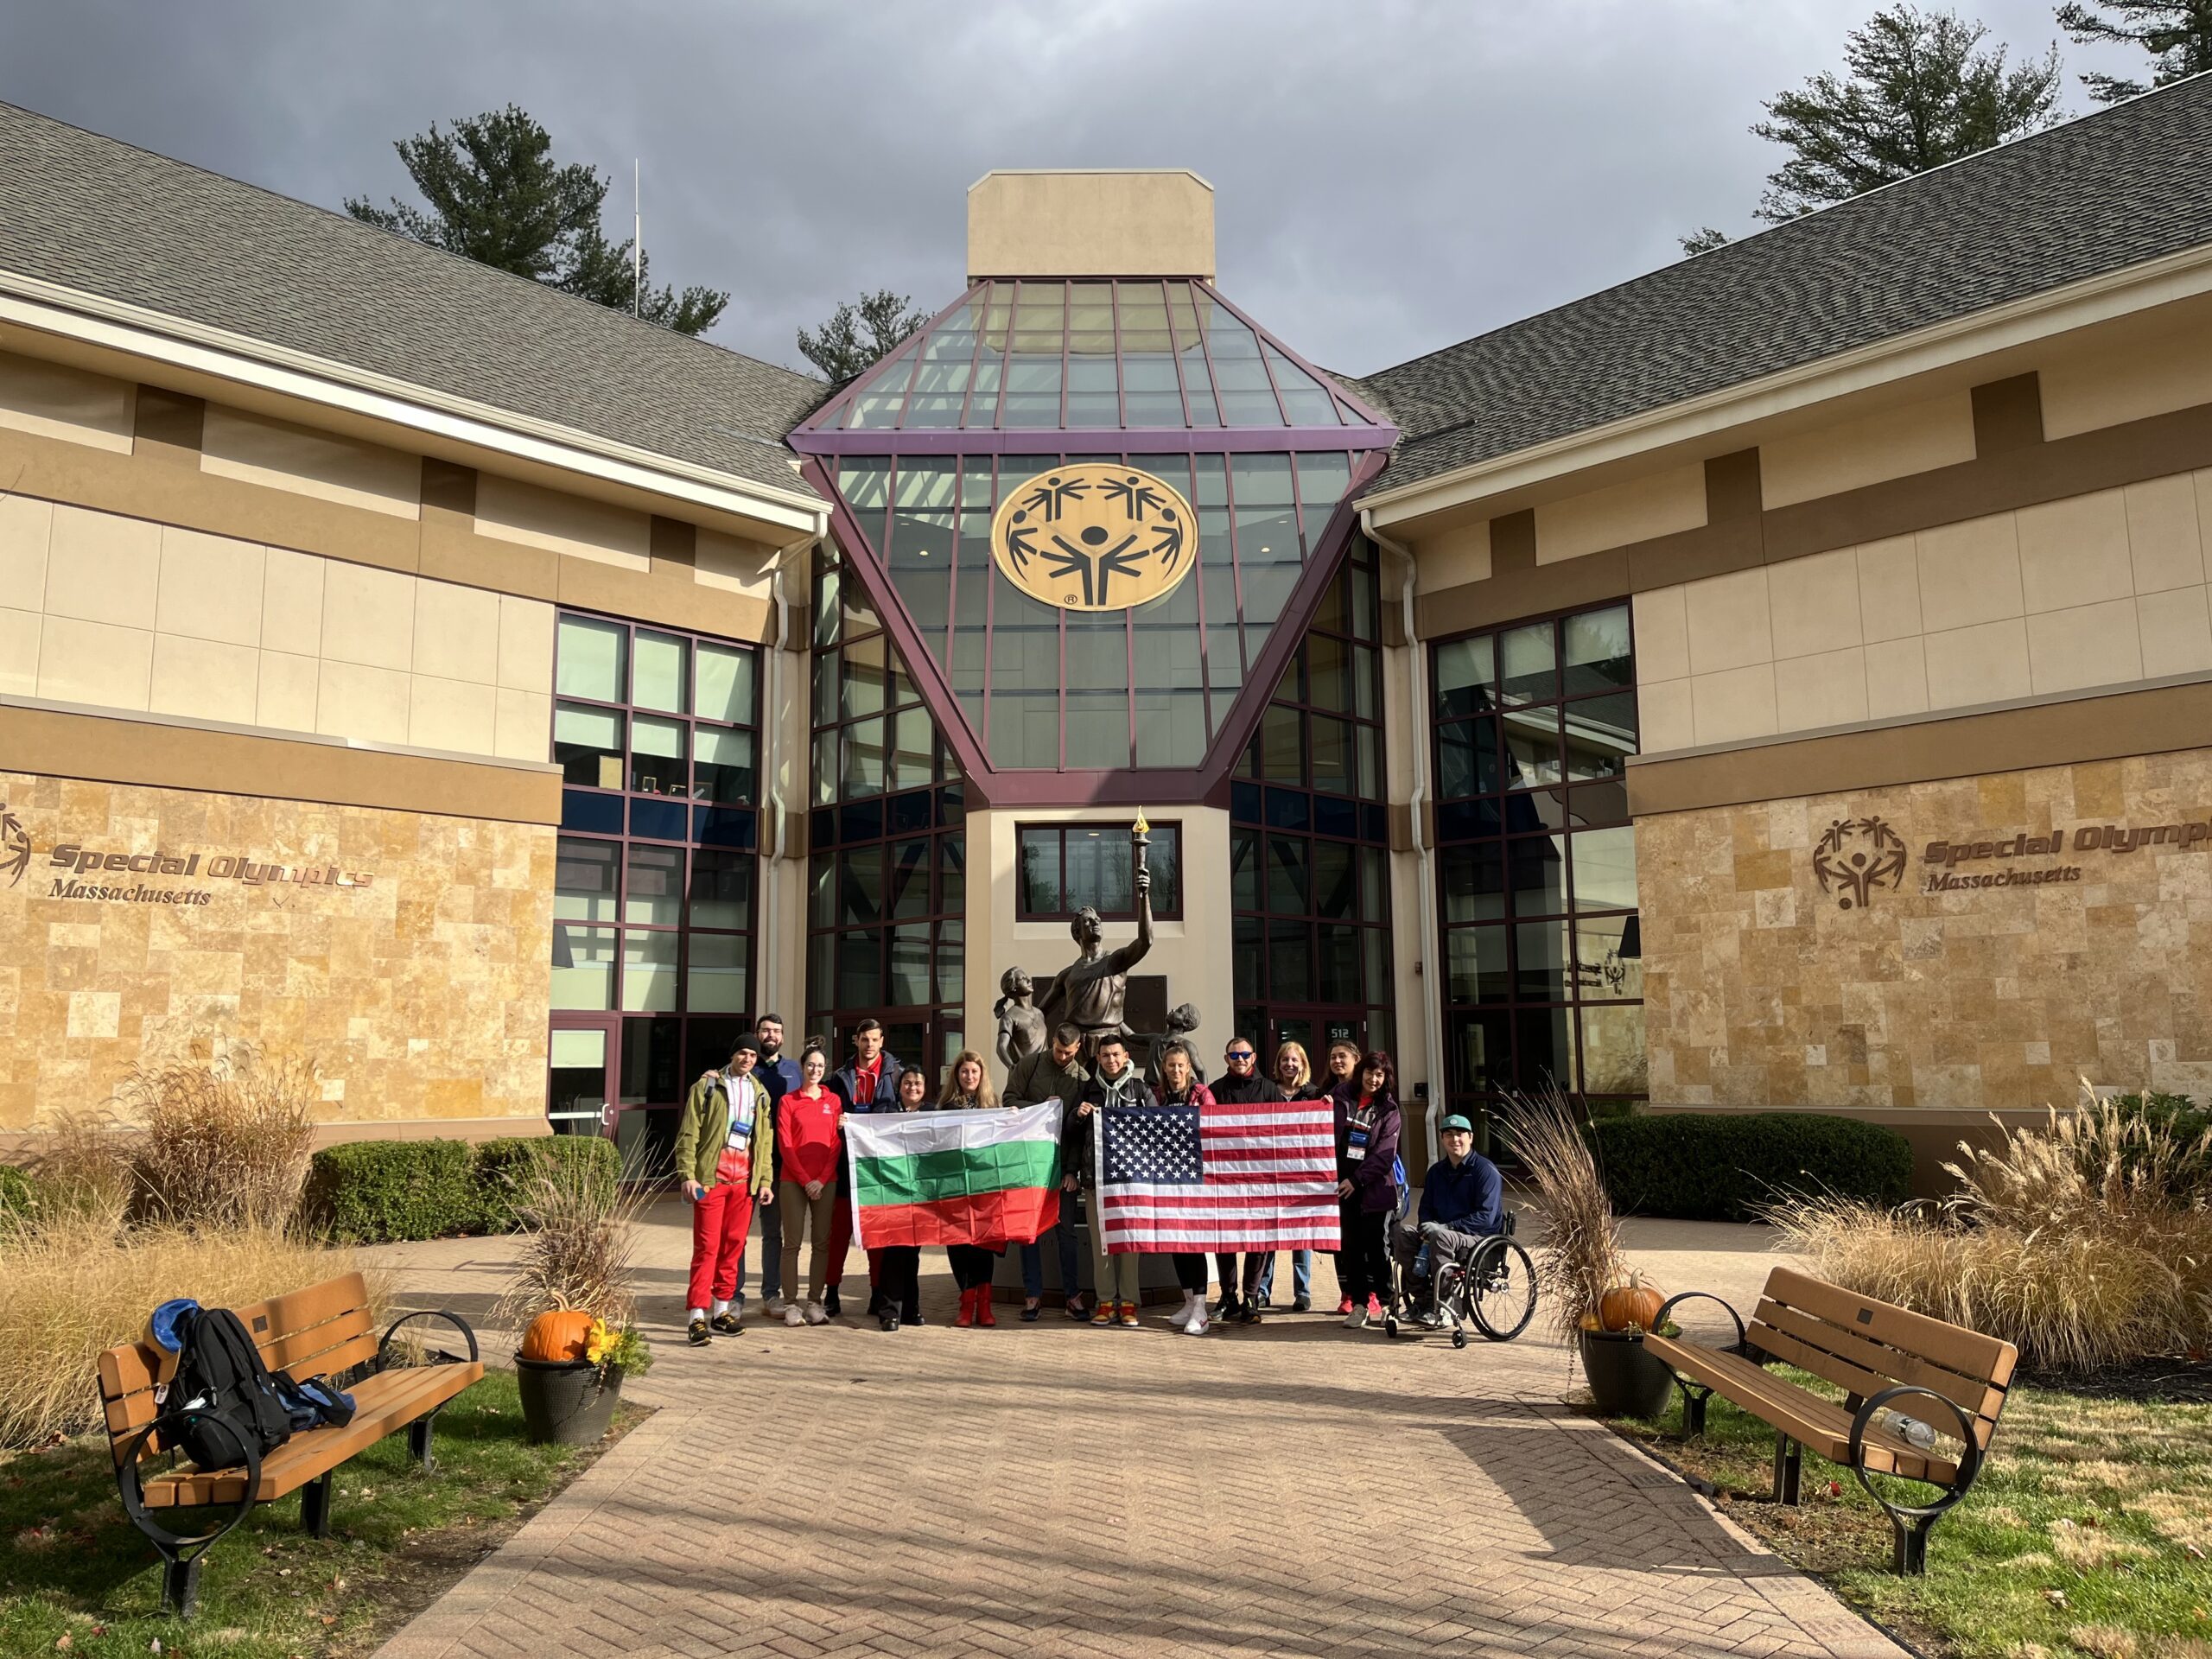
[[1295, 1490]]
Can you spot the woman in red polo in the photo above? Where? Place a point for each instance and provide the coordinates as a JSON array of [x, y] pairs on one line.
[[808, 1143]]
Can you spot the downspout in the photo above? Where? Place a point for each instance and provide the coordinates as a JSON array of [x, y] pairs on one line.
[[1424, 872], [772, 848]]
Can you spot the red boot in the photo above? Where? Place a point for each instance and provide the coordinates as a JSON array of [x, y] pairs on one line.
[[967, 1314], [983, 1314]]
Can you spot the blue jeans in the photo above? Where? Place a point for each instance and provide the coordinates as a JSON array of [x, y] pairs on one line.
[[1063, 1239], [1302, 1274]]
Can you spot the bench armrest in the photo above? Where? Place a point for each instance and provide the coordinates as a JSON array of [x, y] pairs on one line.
[[1969, 1458], [1667, 1306], [377, 1365], [173, 1545]]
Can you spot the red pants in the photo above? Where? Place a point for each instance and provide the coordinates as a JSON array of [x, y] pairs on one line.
[[719, 1222]]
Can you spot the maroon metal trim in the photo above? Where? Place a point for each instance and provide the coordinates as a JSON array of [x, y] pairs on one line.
[[822, 420], [1207, 784], [1366, 411], [1052, 441]]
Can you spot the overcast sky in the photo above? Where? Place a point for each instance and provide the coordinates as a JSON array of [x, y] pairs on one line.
[[1389, 177]]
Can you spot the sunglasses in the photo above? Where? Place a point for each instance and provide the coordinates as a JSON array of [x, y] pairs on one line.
[[1242, 1054]]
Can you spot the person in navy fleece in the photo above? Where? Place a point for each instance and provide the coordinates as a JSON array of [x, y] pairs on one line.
[[1462, 1203]]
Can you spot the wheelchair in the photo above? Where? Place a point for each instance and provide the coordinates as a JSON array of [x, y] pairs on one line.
[[1494, 1290]]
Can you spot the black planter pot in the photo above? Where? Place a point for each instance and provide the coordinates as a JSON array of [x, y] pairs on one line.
[[565, 1402], [1625, 1381]]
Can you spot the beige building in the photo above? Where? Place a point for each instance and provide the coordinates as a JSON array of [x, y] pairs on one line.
[[1782, 681]]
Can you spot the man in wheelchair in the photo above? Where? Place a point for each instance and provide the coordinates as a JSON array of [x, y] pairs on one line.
[[1462, 1203]]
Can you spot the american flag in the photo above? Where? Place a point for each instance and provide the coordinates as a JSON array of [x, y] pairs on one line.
[[1257, 1175]]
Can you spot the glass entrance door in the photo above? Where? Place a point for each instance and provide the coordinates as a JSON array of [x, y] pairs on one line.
[[584, 1054]]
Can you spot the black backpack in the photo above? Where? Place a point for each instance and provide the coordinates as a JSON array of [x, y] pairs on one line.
[[233, 1400]]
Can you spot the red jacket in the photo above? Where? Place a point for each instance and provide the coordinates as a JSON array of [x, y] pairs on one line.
[[807, 1136]]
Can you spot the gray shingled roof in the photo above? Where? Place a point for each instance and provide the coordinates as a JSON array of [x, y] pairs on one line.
[[106, 218], [2113, 189]]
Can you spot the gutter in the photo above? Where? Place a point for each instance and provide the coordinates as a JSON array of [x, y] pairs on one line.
[[49, 307], [1425, 871]]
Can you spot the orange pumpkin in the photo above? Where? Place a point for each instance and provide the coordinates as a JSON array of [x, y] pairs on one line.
[[558, 1336], [1632, 1306]]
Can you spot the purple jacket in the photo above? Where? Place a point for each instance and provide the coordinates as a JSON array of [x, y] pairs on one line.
[[1373, 1188]]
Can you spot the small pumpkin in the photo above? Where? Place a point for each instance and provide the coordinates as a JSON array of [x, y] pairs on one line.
[[557, 1336], [1632, 1306]]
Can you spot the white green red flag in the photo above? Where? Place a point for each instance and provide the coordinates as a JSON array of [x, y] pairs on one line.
[[989, 1177]]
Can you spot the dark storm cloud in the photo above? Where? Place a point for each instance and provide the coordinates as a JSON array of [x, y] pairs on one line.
[[1389, 177]]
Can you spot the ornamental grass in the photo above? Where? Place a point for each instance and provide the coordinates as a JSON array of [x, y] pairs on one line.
[[72, 1285], [2085, 1239], [578, 1242], [228, 1126], [1579, 1258]]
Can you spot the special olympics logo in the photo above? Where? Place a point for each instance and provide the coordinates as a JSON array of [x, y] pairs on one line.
[[1856, 857], [1093, 537], [15, 846]]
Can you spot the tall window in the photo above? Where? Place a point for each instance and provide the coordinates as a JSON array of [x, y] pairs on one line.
[[887, 872], [1310, 837], [656, 735], [1535, 861], [1067, 866]]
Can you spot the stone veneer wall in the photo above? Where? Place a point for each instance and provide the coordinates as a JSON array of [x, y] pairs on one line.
[[1761, 989], [422, 995]]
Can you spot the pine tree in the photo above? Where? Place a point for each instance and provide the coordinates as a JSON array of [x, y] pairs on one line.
[[1921, 92], [2177, 34], [859, 334], [495, 195]]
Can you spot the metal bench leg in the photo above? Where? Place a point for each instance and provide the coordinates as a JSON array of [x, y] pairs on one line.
[[1910, 1557], [1789, 1463], [314, 1506], [418, 1441], [180, 1587], [1693, 1401]]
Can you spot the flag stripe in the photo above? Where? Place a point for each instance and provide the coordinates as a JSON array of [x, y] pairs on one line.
[[1255, 1176], [955, 1172], [1017, 1215]]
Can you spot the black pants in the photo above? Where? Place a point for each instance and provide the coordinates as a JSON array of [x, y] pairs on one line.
[[902, 1273], [1191, 1270], [971, 1264], [1363, 1264], [1233, 1288]]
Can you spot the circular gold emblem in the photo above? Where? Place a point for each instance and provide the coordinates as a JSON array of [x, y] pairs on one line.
[[1093, 537]]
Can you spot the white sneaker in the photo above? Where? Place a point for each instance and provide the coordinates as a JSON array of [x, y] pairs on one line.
[[1357, 1320], [776, 1304], [816, 1315], [1198, 1325], [793, 1314], [1181, 1316]]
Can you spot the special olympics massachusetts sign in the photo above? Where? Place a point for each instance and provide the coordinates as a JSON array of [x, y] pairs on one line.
[[1093, 537]]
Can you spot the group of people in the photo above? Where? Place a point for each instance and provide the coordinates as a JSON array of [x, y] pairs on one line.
[[762, 1136]]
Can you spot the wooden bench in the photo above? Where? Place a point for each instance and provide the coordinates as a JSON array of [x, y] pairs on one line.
[[324, 1330], [1879, 1353]]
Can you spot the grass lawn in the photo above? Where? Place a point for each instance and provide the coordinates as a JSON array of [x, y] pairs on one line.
[[2088, 1532], [75, 1577]]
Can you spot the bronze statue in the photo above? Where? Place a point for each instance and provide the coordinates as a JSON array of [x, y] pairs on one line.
[[1182, 1020], [1091, 992], [1021, 1028]]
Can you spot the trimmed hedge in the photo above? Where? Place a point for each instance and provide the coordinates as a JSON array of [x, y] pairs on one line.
[[505, 1168], [367, 1191], [1723, 1166], [372, 1192]]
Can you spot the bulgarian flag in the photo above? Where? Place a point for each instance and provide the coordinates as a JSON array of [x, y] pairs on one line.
[[955, 1177]]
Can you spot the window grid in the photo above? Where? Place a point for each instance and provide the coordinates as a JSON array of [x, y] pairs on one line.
[[655, 888], [1532, 726], [1048, 843], [887, 868], [1309, 844]]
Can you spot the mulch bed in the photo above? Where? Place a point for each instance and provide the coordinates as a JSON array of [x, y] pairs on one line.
[[2177, 1380]]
